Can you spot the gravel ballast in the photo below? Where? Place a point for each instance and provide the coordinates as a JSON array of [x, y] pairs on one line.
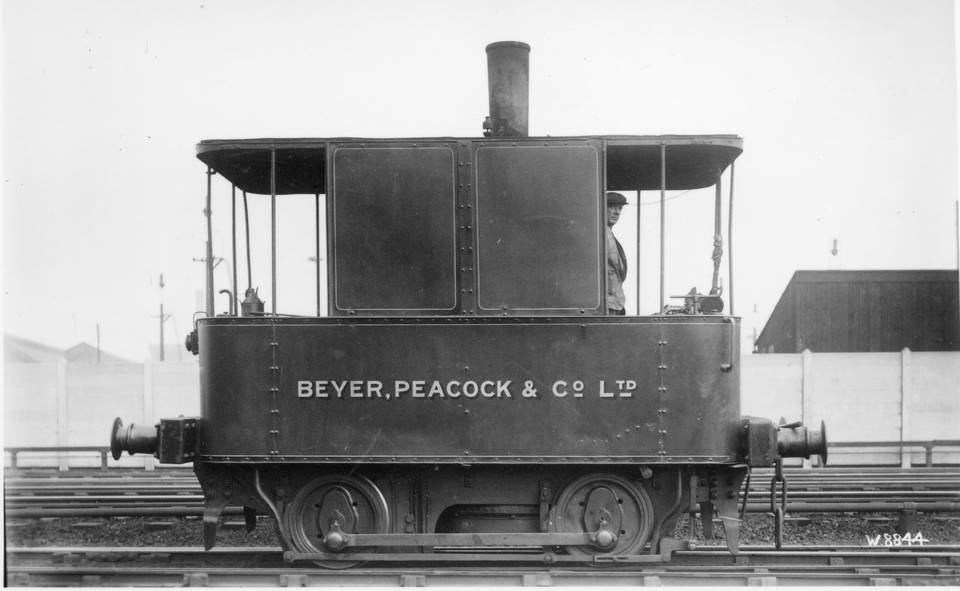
[[757, 529]]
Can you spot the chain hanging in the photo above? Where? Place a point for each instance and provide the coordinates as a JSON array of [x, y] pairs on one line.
[[781, 510]]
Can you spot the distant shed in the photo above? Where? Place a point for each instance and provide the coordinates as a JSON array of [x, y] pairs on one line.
[[20, 350], [865, 311]]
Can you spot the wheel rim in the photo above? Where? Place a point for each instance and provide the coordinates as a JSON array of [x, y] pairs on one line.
[[353, 502], [624, 505]]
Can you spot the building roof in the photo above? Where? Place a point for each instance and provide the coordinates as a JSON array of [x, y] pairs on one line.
[[20, 350], [85, 352], [865, 311]]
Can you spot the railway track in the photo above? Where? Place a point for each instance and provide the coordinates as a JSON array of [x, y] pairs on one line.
[[809, 565], [178, 494]]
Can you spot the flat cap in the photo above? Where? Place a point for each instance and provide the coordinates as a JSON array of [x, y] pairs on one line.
[[616, 199]]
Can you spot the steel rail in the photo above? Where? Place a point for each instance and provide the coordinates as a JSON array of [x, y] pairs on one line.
[[938, 554], [260, 567], [792, 508], [132, 511], [727, 576], [811, 491]]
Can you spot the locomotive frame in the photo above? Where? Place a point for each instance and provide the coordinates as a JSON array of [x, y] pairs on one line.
[[468, 390]]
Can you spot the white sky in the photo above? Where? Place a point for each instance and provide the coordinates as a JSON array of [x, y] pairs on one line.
[[848, 112]]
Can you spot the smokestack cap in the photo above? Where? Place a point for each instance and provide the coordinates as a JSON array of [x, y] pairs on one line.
[[498, 44]]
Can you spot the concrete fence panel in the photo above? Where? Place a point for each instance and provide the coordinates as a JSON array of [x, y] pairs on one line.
[[932, 402], [771, 386], [858, 395], [30, 404], [97, 393], [176, 389]]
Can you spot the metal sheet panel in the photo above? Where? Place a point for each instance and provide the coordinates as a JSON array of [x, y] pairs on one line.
[[538, 227], [235, 387], [394, 228], [499, 390], [699, 364]]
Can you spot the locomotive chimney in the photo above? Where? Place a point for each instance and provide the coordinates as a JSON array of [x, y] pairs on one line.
[[508, 75]]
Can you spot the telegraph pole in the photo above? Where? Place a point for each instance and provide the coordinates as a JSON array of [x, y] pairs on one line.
[[163, 318], [216, 261]]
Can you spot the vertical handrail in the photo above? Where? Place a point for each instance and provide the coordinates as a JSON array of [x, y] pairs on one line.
[[246, 222], [273, 229], [637, 272], [717, 234], [208, 211], [717, 205], [233, 235], [317, 197], [663, 221], [730, 238]]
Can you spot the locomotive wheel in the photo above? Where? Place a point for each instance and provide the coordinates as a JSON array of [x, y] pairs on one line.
[[353, 503], [605, 502]]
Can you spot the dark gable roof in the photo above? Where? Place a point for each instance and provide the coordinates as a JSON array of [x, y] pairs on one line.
[[85, 352], [20, 350], [865, 311]]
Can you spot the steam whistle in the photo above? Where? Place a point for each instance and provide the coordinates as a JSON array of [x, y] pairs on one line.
[[251, 305]]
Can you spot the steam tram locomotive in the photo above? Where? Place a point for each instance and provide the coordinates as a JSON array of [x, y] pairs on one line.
[[466, 390]]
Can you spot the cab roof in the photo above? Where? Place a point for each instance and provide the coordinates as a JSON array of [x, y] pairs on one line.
[[633, 161]]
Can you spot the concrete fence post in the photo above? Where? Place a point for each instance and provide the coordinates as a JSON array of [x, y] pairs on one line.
[[148, 461], [63, 416], [906, 401], [806, 389]]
